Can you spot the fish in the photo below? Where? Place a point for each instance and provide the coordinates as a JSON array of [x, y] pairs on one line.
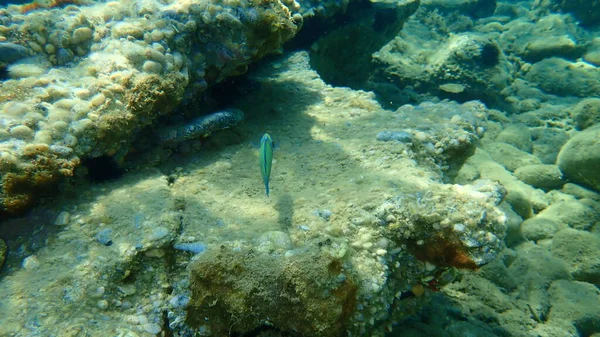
[[265, 156], [201, 126]]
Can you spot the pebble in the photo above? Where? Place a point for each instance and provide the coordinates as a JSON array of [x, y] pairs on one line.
[[324, 213], [127, 289], [60, 150], [10, 52], [25, 70], [97, 100], [63, 218], [63, 56], [81, 34], [104, 237], [103, 304], [192, 247], [152, 328], [50, 49], [3, 249], [21, 132], [158, 233], [30, 262], [152, 67], [399, 136], [124, 29], [15, 109]]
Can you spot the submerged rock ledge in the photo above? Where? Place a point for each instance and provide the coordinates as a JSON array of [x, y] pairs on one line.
[[102, 72]]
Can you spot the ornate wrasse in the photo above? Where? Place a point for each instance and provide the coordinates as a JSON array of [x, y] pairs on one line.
[[265, 157]]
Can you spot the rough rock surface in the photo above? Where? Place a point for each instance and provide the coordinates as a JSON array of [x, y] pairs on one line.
[[586, 11], [110, 69], [579, 158]]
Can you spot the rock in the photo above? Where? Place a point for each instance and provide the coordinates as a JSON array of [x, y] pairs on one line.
[[342, 55], [543, 47], [546, 177], [517, 135], [552, 35], [548, 142], [560, 77], [81, 34], [574, 305], [63, 218], [133, 49], [586, 11], [579, 158], [473, 8], [571, 213], [580, 192], [268, 286], [524, 199], [475, 61], [398, 136], [534, 268], [581, 252], [25, 70], [509, 156], [538, 228], [11, 52], [592, 57], [105, 236], [3, 250], [586, 113]]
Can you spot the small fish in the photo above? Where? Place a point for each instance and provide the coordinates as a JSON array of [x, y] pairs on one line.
[[265, 154]]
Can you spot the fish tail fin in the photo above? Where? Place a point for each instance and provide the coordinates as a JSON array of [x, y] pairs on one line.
[[267, 188]]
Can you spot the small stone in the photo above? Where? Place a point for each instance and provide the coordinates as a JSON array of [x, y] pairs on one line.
[[127, 289], [156, 35], [142, 319], [546, 177], [60, 150], [21, 132], [15, 109], [538, 228], [152, 328], [81, 34], [105, 237], [192, 247], [50, 49], [103, 304], [399, 136], [3, 250], [10, 52], [63, 218], [25, 70], [31, 262], [579, 158], [35, 149], [158, 233], [124, 29], [152, 67], [97, 100]]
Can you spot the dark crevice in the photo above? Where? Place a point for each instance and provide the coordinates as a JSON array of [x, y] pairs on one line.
[[103, 169]]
